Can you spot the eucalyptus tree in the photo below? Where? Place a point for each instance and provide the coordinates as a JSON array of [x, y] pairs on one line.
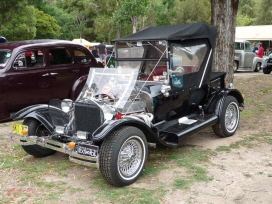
[[224, 18]]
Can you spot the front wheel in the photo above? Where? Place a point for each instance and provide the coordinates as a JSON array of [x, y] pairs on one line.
[[266, 70], [35, 128], [123, 156], [228, 119]]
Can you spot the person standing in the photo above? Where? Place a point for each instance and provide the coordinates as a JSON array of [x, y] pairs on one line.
[[260, 52], [255, 48], [102, 51]]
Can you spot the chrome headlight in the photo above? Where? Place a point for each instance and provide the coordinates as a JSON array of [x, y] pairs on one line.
[[66, 105], [109, 112], [59, 129]]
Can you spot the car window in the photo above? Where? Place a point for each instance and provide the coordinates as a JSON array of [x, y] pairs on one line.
[[60, 56], [239, 46], [81, 57], [248, 48], [4, 57], [188, 57], [29, 59]]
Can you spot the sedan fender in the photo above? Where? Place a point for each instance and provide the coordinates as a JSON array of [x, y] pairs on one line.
[[77, 87]]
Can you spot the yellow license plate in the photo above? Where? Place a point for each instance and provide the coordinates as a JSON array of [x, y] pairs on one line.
[[19, 129]]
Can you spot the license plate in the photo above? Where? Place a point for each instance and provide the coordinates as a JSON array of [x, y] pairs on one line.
[[87, 150], [19, 128]]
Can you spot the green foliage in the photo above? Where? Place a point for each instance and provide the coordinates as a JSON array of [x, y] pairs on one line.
[[46, 25], [131, 12], [165, 12], [103, 19], [264, 13], [18, 23], [191, 11], [64, 19], [246, 13]]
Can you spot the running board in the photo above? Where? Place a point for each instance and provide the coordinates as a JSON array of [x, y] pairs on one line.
[[181, 130]]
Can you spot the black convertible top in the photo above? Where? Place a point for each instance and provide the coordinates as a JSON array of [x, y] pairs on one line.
[[174, 32]]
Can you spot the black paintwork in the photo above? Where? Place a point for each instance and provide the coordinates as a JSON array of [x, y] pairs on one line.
[[201, 98]]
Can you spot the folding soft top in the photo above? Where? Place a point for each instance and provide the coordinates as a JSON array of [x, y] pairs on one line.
[[174, 32]]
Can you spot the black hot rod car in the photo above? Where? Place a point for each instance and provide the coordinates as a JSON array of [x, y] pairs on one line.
[[161, 90]]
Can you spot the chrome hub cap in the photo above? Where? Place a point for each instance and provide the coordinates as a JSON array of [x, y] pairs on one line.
[[231, 117], [130, 157]]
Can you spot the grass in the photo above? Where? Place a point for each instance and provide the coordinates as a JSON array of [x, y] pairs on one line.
[[188, 164]]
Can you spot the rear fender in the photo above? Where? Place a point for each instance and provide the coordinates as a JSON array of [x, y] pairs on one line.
[[216, 104]]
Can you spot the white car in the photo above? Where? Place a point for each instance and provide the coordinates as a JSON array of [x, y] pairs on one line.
[[245, 59]]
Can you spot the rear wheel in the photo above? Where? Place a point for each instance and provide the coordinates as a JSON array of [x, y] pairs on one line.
[[267, 70], [228, 119], [123, 155], [258, 67], [35, 128]]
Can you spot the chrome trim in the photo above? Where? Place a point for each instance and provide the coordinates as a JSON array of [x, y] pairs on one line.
[[205, 69], [58, 146]]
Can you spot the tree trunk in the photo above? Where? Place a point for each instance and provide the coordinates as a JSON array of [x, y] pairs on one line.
[[134, 21], [224, 14], [118, 33]]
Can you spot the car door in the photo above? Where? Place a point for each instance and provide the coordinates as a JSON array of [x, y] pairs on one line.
[[249, 55], [189, 64], [28, 81], [63, 71]]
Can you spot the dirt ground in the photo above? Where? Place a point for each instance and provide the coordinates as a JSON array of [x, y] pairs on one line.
[[240, 176]]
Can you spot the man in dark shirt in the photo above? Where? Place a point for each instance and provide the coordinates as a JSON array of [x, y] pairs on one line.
[[102, 51], [255, 47]]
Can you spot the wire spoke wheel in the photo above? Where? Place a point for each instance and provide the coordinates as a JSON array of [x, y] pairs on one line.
[[130, 157], [228, 118], [231, 117], [123, 155]]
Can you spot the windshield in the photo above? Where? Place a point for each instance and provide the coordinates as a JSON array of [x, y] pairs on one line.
[[4, 57], [115, 87], [145, 56]]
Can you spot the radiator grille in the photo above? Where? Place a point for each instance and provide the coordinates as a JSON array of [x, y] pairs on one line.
[[88, 117]]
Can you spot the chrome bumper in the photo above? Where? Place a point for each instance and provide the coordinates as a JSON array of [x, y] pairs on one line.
[[58, 146]]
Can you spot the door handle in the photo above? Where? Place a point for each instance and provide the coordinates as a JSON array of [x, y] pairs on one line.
[[53, 74], [47, 74]]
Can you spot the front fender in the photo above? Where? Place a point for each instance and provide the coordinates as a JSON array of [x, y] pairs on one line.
[[107, 128], [38, 112], [255, 61]]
